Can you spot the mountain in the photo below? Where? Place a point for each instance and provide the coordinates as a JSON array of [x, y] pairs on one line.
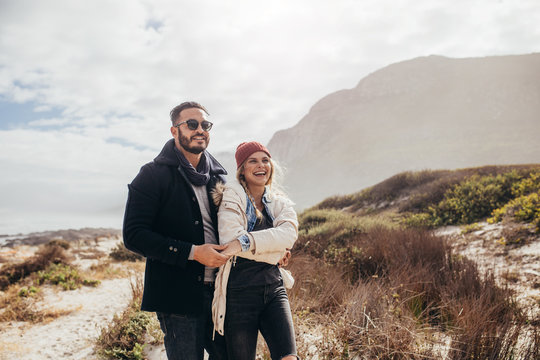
[[430, 112], [227, 160]]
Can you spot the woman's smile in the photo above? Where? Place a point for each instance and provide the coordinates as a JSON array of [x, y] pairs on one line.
[[257, 169]]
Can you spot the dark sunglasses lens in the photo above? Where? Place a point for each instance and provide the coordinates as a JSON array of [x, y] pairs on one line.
[[192, 124], [206, 125]]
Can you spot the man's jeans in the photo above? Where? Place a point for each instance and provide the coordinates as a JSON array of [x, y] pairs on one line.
[[264, 308], [186, 336]]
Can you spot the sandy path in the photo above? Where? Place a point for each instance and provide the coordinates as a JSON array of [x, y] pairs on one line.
[[70, 336]]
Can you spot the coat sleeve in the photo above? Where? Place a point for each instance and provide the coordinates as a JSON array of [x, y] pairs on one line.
[[232, 220], [142, 208], [284, 233]]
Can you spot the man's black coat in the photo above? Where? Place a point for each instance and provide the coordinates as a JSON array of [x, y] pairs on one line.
[[161, 222]]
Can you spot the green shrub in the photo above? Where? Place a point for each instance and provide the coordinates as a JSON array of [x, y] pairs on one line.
[[322, 229], [478, 197], [474, 199], [525, 208], [124, 337], [65, 276], [28, 291], [128, 330], [421, 220], [528, 185], [471, 228]]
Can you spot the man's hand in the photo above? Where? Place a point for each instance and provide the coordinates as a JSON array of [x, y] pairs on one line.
[[210, 255], [285, 259], [232, 248]]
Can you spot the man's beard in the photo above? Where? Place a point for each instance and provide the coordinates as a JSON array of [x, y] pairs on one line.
[[184, 142]]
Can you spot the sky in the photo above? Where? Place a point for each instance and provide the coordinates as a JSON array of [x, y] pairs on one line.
[[86, 86]]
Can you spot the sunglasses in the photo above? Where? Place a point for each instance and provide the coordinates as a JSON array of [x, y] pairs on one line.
[[193, 124]]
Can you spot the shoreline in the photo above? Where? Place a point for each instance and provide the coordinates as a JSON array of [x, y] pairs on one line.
[[70, 234]]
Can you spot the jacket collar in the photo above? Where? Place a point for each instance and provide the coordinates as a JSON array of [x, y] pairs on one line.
[[266, 198]]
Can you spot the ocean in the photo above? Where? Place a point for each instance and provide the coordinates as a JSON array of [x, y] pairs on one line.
[[15, 224]]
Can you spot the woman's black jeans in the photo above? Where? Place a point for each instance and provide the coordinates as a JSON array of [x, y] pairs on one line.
[[265, 308]]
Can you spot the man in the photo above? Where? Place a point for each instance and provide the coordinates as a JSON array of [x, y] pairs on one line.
[[171, 220]]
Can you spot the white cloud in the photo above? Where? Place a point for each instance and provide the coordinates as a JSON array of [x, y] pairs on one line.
[[115, 68], [50, 122]]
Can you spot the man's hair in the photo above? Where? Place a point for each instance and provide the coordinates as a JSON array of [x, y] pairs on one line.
[[175, 112]]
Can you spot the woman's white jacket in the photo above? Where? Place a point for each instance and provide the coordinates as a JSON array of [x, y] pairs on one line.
[[267, 245]]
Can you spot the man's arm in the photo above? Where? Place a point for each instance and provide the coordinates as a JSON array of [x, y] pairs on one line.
[[143, 205]]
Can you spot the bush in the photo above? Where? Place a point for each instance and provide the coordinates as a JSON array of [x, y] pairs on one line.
[[333, 235], [123, 338], [474, 199], [526, 204], [524, 208], [469, 201], [64, 275], [420, 221], [64, 244], [408, 290], [126, 335], [28, 291], [121, 253], [47, 255], [19, 304], [471, 228], [528, 185]]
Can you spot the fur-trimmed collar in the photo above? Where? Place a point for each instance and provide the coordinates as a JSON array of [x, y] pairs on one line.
[[217, 193]]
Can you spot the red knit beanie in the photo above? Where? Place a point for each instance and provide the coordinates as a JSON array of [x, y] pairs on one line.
[[245, 149]]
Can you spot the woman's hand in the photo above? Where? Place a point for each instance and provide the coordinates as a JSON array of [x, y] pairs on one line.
[[232, 248]]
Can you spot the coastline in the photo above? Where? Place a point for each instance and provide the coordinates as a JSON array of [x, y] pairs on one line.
[[41, 237]]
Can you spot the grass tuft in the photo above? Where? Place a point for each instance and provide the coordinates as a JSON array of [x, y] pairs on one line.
[[124, 337]]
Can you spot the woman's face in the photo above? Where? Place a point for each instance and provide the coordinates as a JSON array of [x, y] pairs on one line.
[[257, 169]]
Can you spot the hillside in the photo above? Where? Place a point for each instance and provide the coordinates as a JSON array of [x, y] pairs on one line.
[[433, 198], [426, 294], [430, 112]]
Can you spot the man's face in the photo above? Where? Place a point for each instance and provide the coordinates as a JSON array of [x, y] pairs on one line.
[[193, 141]]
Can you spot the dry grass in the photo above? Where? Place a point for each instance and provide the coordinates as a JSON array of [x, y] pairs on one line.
[[124, 337], [402, 295], [46, 255], [121, 253], [21, 282], [15, 305], [108, 269]]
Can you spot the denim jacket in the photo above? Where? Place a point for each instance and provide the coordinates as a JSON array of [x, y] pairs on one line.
[[252, 218]]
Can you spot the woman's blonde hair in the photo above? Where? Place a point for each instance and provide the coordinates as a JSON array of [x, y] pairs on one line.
[[271, 182]]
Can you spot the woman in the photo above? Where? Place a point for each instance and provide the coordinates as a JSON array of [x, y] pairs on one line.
[[260, 225]]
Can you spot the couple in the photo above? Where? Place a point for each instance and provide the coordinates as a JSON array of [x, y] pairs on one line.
[[212, 250]]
